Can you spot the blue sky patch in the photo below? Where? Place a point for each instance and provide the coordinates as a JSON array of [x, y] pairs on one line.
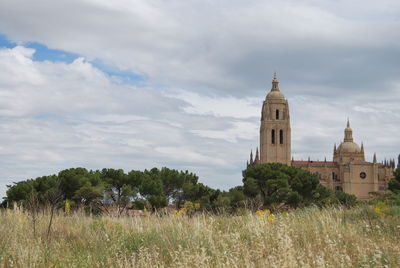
[[44, 53], [4, 42]]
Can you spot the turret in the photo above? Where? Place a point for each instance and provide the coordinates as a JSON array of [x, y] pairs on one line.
[[256, 160], [398, 162]]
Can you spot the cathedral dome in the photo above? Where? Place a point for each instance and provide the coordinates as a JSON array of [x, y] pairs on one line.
[[349, 147], [275, 95]]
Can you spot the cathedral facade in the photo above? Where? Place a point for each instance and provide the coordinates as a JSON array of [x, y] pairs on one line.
[[348, 171]]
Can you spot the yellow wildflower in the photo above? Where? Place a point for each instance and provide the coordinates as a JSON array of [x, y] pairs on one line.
[[182, 211], [67, 207], [381, 209], [271, 218], [260, 213], [145, 212]]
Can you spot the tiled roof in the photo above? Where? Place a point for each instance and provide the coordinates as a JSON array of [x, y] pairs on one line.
[[313, 163], [361, 162]]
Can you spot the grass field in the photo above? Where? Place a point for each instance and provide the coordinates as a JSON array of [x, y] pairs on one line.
[[359, 237]]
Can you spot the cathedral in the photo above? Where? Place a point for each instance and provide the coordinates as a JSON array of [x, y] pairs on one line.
[[348, 171]]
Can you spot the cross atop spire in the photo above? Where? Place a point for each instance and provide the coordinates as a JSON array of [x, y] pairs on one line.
[[274, 75], [348, 122]]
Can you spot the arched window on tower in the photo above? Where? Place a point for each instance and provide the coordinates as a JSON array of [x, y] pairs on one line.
[[281, 136], [277, 114], [273, 136]]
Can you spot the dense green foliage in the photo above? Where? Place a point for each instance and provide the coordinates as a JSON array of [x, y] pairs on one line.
[[394, 184], [264, 185], [152, 188], [278, 183]]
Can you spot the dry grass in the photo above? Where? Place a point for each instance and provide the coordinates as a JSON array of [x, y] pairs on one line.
[[303, 238]]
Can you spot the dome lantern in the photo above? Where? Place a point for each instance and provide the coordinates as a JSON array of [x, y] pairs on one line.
[[348, 132]]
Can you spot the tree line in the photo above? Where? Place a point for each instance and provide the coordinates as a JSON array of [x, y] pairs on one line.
[[98, 191]]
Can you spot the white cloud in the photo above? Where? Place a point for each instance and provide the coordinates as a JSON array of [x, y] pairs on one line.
[[219, 106], [239, 130]]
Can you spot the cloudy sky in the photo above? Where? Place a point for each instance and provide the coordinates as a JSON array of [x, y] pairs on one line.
[[150, 83]]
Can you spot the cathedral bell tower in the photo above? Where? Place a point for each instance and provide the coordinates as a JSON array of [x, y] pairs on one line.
[[275, 137]]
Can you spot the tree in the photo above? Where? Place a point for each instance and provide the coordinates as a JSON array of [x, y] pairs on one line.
[[71, 180], [118, 188], [53, 197], [89, 194], [237, 197], [279, 183], [19, 191], [394, 184], [177, 185], [151, 187], [33, 209]]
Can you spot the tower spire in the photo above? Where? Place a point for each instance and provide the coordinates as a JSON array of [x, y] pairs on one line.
[[398, 162], [374, 158], [256, 160], [348, 132], [275, 82]]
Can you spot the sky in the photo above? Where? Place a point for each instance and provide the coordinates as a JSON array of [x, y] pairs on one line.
[[151, 83]]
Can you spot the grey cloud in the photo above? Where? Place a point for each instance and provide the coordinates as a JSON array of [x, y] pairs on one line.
[[227, 48]]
